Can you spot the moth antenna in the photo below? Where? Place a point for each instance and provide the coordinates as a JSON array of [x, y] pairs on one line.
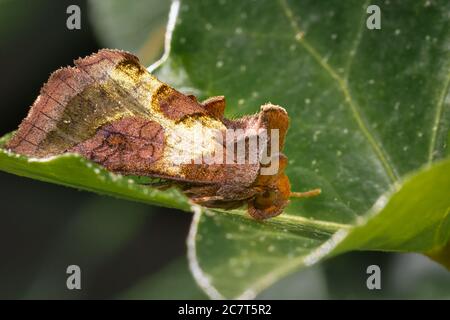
[[306, 194]]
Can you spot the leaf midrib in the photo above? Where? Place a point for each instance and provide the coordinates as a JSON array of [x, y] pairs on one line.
[[289, 219]]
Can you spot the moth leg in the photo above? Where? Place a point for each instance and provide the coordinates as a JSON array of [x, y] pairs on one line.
[[160, 185], [199, 191], [208, 199], [215, 106]]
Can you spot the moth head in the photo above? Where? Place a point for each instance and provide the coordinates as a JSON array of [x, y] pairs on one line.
[[274, 193], [271, 200]]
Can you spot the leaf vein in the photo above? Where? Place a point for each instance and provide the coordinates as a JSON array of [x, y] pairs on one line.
[[437, 119], [342, 84], [356, 42]]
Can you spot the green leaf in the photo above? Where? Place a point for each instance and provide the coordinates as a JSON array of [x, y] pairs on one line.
[[414, 218], [74, 171], [369, 116], [363, 113], [253, 256]]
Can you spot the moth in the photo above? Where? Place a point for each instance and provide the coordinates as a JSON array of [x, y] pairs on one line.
[[109, 109]]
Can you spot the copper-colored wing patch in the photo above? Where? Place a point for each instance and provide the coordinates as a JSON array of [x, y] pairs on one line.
[[215, 106], [129, 145], [177, 106]]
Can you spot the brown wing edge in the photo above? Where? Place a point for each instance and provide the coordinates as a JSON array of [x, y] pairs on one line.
[[62, 85]]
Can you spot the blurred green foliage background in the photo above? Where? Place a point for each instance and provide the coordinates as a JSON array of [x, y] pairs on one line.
[[124, 249]]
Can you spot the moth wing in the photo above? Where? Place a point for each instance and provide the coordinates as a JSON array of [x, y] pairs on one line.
[[76, 101], [109, 101], [101, 88]]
